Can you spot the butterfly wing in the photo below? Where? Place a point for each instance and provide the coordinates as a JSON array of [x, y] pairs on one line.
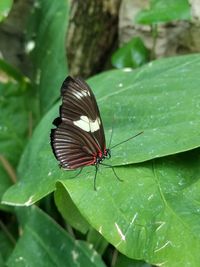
[[79, 137]]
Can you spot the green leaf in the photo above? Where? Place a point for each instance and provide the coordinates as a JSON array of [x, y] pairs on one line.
[[37, 152], [5, 7], [10, 73], [1, 261], [95, 238], [164, 11], [99, 243], [6, 247], [69, 211], [152, 215], [123, 261], [132, 54], [46, 36], [17, 111], [52, 246], [160, 99]]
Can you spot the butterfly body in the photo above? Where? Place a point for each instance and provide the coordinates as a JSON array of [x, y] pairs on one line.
[[78, 139]]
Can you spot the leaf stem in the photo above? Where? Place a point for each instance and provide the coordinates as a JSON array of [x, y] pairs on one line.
[[8, 234]]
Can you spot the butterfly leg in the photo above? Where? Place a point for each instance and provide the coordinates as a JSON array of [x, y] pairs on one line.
[[116, 174], [113, 169], [95, 177], [77, 174]]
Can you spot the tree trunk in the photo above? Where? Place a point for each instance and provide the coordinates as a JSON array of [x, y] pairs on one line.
[[92, 34]]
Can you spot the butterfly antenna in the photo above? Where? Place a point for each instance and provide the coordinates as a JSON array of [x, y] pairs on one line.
[[111, 135], [126, 140]]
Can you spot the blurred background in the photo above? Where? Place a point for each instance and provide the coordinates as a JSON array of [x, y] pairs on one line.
[[43, 41], [96, 29]]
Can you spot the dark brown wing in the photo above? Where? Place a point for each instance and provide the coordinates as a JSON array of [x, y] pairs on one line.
[[79, 137]]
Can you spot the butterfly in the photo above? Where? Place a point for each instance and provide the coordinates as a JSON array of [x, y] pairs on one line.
[[79, 139]]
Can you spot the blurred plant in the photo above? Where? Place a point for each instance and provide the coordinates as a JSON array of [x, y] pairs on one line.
[[131, 55], [5, 7], [134, 53]]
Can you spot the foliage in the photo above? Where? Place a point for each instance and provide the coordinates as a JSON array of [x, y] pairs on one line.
[[46, 35], [54, 245], [134, 53], [5, 7], [164, 11], [16, 98], [153, 215]]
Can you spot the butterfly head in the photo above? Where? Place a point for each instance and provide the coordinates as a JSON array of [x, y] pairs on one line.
[[105, 155]]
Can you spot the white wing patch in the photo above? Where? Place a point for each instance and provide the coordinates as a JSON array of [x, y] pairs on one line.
[[81, 94], [88, 125]]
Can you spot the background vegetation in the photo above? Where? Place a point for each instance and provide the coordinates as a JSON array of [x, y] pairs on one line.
[[153, 216]]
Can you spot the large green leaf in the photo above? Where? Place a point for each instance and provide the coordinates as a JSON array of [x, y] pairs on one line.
[[44, 243], [69, 211], [162, 99], [32, 165], [17, 107], [152, 215], [164, 11], [46, 36]]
